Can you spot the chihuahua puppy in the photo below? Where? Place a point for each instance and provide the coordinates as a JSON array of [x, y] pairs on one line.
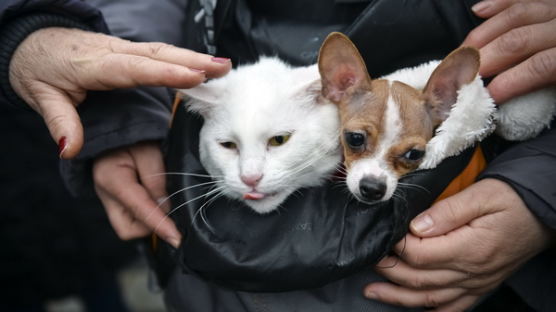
[[386, 125]]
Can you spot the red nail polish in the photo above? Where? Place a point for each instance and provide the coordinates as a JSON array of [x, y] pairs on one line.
[[221, 60], [62, 145]]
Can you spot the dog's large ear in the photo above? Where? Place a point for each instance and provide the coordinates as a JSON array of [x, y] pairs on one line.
[[341, 68], [456, 70]]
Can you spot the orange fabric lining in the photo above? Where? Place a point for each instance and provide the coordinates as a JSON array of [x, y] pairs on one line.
[[177, 101], [154, 241], [467, 176]]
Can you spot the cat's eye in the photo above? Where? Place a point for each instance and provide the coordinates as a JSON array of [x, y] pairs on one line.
[[228, 145], [279, 139], [414, 154], [355, 140]]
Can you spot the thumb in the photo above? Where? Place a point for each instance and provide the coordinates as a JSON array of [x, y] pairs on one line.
[[63, 122], [449, 214]]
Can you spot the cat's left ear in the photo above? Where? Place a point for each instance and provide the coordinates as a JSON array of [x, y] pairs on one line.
[[307, 82], [203, 98]]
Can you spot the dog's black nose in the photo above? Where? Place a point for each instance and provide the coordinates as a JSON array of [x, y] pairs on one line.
[[372, 188]]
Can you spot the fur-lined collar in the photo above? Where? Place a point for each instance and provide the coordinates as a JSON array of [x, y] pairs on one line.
[[474, 115]]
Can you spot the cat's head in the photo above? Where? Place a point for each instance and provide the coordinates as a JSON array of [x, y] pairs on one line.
[[267, 132]]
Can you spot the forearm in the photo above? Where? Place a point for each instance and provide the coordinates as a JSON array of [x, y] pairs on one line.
[[18, 19]]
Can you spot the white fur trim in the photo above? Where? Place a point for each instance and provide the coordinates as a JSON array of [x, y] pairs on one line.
[[474, 115], [526, 116], [470, 119]]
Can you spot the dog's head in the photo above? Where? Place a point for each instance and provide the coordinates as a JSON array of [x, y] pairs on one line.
[[386, 124]]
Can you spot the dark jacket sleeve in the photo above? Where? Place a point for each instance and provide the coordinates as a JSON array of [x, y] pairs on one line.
[[10, 9], [20, 18], [123, 117], [530, 168], [113, 118]]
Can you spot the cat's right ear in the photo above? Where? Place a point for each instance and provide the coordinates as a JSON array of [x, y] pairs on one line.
[[201, 99], [341, 68]]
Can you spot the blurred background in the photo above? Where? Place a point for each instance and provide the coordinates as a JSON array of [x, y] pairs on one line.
[[133, 280]]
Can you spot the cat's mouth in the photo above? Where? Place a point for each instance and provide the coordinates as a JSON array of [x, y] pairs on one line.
[[257, 195]]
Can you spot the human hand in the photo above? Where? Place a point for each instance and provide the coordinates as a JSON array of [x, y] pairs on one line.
[[461, 248], [53, 68], [129, 182], [517, 43]]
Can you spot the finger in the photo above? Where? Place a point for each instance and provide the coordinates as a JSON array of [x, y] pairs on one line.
[[440, 252], [402, 296], [131, 71], [61, 118], [124, 224], [213, 66], [145, 209], [460, 304], [403, 274], [517, 15], [516, 46], [150, 167], [489, 8], [449, 214], [126, 190], [536, 72]]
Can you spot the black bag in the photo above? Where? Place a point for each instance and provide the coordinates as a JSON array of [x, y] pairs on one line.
[[322, 235]]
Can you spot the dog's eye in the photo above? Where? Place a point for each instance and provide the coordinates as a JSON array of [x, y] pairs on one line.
[[414, 154], [228, 145], [279, 140], [355, 140]]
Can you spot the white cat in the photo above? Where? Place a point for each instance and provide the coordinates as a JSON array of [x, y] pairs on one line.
[[267, 131]]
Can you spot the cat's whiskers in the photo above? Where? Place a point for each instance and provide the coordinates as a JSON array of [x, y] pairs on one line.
[[201, 213], [188, 188], [216, 190], [163, 200], [184, 174]]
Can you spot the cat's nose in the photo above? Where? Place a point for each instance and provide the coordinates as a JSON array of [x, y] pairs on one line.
[[251, 179]]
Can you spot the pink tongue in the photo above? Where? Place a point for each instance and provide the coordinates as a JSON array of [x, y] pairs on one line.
[[253, 196]]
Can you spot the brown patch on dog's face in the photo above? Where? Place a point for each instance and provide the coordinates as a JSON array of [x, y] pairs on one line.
[[362, 113], [416, 129]]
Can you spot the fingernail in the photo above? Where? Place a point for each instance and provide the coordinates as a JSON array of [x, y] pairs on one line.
[[221, 60], [422, 224], [62, 146], [174, 241], [481, 7], [197, 70], [371, 295]]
